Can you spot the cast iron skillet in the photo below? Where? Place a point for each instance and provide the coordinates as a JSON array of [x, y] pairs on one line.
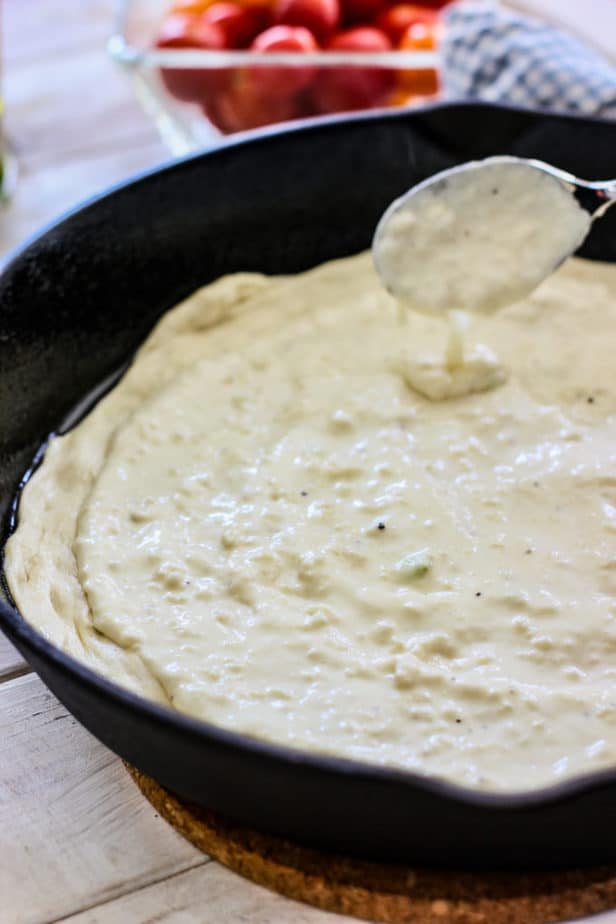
[[78, 299]]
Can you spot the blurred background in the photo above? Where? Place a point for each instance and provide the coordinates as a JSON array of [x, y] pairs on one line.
[[82, 112]]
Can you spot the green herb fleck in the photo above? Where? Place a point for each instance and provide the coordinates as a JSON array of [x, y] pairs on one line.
[[414, 566]]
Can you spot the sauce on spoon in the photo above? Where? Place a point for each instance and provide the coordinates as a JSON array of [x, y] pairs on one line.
[[478, 237], [468, 241]]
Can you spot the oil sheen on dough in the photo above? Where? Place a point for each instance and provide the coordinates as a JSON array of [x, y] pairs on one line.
[[272, 525]]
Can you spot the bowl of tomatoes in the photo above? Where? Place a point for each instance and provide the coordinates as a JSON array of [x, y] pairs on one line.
[[209, 67]]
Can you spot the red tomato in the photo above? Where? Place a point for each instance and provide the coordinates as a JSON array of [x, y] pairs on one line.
[[242, 107], [239, 24], [395, 20], [187, 31], [420, 37], [361, 38], [401, 98], [356, 11], [340, 89], [320, 16], [279, 81]]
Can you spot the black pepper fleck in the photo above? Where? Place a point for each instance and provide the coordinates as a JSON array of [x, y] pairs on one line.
[[304, 493], [458, 720], [590, 400], [478, 593], [495, 191], [381, 526], [535, 484], [529, 552]]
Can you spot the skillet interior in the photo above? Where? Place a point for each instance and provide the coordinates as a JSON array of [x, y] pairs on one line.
[[77, 300]]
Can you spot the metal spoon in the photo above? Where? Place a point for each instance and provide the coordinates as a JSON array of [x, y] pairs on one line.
[[484, 234]]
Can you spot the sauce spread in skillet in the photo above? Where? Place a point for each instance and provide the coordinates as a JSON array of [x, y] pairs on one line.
[[271, 524]]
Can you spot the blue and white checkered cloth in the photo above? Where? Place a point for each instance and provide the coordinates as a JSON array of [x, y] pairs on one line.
[[492, 54]]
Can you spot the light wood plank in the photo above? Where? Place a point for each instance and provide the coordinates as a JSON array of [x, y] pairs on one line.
[[35, 29], [11, 662], [71, 115], [74, 830], [209, 895], [50, 115]]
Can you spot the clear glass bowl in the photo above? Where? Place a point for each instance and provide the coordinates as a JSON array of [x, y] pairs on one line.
[[345, 81]]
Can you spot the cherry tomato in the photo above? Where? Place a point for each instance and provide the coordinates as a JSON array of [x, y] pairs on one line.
[[187, 31], [395, 20], [279, 81], [242, 106], [361, 38], [356, 11], [420, 37], [320, 16], [239, 24], [340, 89], [401, 97]]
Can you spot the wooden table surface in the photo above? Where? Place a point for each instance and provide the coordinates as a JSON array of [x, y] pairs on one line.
[[78, 842]]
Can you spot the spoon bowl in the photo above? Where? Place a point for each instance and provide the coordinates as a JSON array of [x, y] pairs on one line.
[[484, 234]]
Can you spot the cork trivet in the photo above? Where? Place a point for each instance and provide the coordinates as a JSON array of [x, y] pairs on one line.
[[390, 894]]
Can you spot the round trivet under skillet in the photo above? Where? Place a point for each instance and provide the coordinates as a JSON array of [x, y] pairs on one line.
[[385, 893]]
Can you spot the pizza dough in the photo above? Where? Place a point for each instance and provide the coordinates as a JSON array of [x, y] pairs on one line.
[[294, 519]]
